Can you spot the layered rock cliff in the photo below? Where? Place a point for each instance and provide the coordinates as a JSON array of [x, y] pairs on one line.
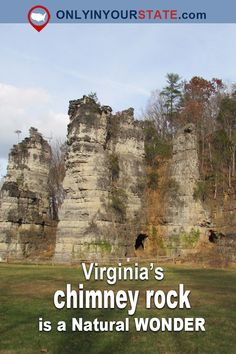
[[108, 203], [183, 211], [177, 220], [101, 212], [25, 223]]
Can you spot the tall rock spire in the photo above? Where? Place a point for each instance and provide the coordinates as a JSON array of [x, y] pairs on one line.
[[104, 165], [24, 204]]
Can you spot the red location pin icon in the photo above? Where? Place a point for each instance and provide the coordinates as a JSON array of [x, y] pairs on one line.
[[38, 17]]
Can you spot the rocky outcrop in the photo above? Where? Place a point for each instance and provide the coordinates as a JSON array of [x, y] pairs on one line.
[[183, 211], [25, 222], [100, 215], [108, 201], [177, 219]]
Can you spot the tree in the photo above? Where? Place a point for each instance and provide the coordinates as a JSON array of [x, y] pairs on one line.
[[222, 150], [227, 114], [199, 106], [156, 112], [56, 177], [211, 106], [172, 93], [94, 96], [196, 96], [227, 120], [1, 181]]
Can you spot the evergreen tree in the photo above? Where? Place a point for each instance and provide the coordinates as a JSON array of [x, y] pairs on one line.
[[172, 93]]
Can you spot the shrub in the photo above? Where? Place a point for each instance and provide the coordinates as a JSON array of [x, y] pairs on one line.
[[155, 146], [189, 240], [158, 238], [118, 199], [105, 246], [200, 191], [152, 180], [140, 186], [113, 165], [170, 187]]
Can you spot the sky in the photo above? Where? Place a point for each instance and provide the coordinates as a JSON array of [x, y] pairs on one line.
[[122, 63]]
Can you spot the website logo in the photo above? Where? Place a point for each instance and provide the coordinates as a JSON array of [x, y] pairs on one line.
[[38, 17]]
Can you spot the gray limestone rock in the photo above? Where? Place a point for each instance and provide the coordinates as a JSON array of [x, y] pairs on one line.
[[101, 211], [24, 203]]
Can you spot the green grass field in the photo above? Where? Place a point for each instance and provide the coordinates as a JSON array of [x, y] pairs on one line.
[[26, 293]]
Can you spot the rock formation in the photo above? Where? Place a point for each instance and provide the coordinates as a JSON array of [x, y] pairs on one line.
[[107, 204], [100, 215], [184, 219], [183, 211], [25, 223]]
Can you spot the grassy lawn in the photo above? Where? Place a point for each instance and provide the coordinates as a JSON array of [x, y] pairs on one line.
[[26, 293]]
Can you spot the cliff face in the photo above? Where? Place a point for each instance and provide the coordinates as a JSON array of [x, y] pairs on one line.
[[100, 215], [183, 211], [24, 205], [177, 220], [107, 202]]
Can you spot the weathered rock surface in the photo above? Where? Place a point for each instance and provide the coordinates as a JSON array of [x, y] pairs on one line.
[[25, 222], [105, 206], [180, 220], [100, 215], [184, 212]]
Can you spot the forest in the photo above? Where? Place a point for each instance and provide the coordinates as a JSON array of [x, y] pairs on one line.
[[211, 106]]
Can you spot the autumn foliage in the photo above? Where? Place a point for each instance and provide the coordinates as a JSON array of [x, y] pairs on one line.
[[211, 106]]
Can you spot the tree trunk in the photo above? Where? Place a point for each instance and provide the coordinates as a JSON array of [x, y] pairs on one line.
[[230, 185], [216, 187], [233, 161], [210, 155]]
